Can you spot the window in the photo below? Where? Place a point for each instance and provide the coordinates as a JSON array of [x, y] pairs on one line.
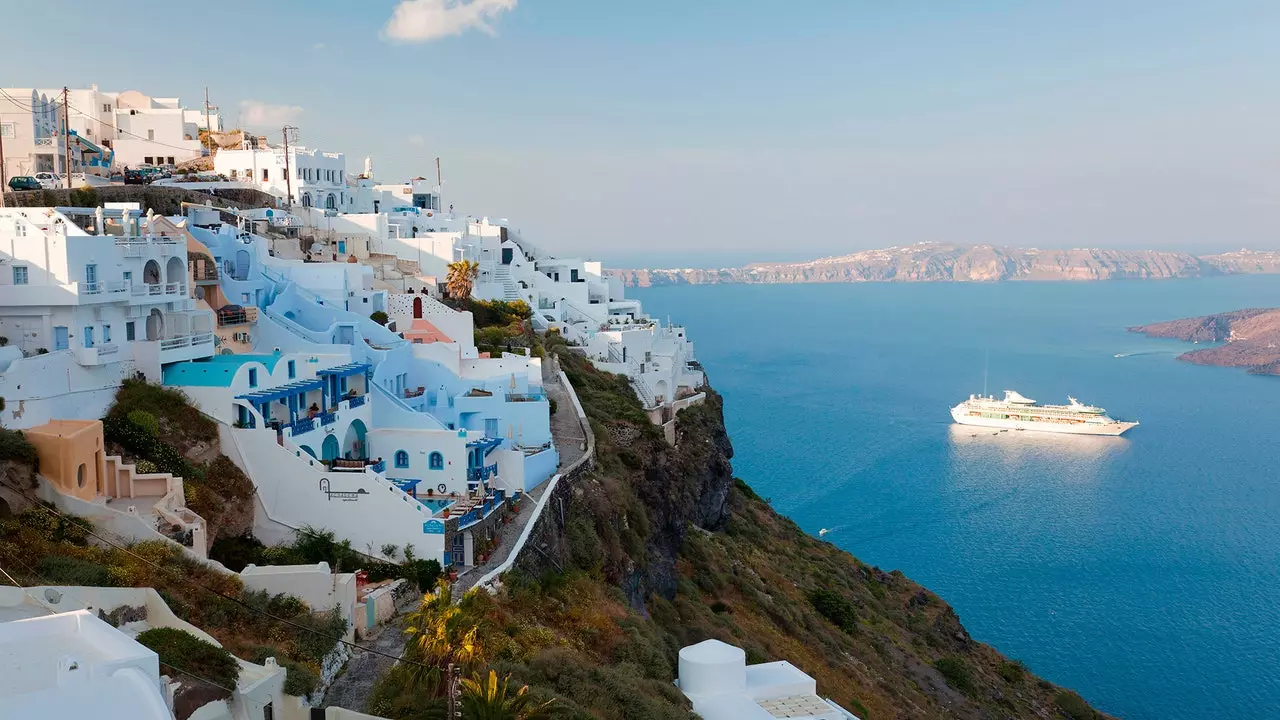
[[233, 174], [253, 377], [8, 130], [88, 336], [266, 175], [106, 107], [128, 277], [19, 274], [148, 160], [169, 159], [151, 134], [106, 333], [91, 276], [436, 461], [293, 369], [402, 459], [129, 332]]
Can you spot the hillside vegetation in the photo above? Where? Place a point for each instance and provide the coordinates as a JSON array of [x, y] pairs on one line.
[[662, 547]]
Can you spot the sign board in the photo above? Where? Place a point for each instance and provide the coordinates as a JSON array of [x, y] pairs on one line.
[[433, 527]]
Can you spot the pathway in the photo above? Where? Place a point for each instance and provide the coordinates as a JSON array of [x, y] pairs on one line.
[[569, 441], [353, 686]]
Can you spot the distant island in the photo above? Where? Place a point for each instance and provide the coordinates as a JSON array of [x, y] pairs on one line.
[[944, 262], [1250, 338]]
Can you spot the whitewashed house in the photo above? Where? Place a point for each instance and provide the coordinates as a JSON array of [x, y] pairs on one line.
[[721, 686], [82, 309], [315, 178]]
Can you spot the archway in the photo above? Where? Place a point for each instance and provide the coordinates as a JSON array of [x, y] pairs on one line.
[[241, 271], [307, 449], [306, 199], [331, 202], [353, 443], [660, 391], [151, 273], [417, 307], [155, 325], [330, 450], [175, 270]]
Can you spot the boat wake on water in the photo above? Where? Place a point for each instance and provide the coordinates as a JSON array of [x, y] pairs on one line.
[[1145, 352]]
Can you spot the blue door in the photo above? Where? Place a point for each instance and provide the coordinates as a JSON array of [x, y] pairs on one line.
[[60, 338], [91, 277], [491, 427], [329, 450], [88, 336], [342, 246]]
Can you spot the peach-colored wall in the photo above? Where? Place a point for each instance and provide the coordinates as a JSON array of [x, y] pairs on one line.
[[70, 453]]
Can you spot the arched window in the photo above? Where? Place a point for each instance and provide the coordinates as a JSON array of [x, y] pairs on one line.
[[436, 461], [402, 459]]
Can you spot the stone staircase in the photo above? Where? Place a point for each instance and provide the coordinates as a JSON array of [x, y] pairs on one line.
[[502, 274], [163, 493]]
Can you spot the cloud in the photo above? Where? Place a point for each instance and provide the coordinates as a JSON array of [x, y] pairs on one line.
[[419, 21], [318, 46], [255, 113], [417, 140]]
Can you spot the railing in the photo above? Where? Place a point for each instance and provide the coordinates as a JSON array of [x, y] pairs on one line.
[[482, 473], [379, 467], [175, 343], [90, 288], [356, 402], [172, 288], [303, 425], [525, 397], [328, 418], [108, 349], [43, 141]]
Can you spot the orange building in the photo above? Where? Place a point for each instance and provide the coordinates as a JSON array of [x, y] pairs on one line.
[[71, 455]]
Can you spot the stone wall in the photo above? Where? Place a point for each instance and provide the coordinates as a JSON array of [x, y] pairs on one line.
[[163, 200]]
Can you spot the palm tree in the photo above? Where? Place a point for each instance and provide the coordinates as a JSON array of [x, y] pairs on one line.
[[461, 278], [439, 635], [487, 700]]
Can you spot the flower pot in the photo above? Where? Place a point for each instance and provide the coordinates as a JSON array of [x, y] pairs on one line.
[[453, 574]]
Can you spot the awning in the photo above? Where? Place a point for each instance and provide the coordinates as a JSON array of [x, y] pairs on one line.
[[284, 391], [355, 368], [85, 145]]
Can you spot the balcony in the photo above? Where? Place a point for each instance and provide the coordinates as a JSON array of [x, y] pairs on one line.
[[98, 354], [482, 474]]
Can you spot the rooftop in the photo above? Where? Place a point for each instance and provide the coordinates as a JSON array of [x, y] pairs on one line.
[[216, 371], [716, 679], [65, 428]]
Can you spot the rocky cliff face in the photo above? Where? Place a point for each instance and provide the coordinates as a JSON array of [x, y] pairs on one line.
[[937, 262], [1251, 338], [658, 547]]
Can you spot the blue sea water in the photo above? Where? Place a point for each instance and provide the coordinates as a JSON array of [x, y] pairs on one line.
[[1142, 571]]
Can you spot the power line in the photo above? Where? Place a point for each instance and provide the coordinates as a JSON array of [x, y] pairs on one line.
[[84, 114], [206, 588], [45, 581]]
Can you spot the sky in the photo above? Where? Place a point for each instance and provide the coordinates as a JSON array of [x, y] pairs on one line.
[[716, 132]]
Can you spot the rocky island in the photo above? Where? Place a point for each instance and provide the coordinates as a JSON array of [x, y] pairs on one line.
[[946, 262], [1249, 338]]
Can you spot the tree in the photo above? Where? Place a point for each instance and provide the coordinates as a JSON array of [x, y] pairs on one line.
[[486, 699], [440, 634], [461, 278]]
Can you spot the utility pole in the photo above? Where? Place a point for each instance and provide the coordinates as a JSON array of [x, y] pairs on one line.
[[208, 127], [288, 174], [439, 184], [66, 133], [454, 672], [4, 178]]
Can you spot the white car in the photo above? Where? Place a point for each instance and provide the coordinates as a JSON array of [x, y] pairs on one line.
[[49, 181]]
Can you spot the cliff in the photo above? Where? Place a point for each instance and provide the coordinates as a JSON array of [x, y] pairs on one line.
[[940, 262], [658, 547], [1250, 338]]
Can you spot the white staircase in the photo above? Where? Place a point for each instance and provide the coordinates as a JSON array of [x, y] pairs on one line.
[[502, 274]]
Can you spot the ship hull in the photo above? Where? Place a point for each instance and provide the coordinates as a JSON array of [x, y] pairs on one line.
[[1084, 428]]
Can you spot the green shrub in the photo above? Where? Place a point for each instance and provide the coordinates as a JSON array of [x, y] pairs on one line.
[[1074, 706], [14, 447], [183, 652], [237, 552], [1012, 671], [835, 607], [146, 467], [145, 421], [956, 673], [379, 317], [64, 570], [423, 573], [299, 680]]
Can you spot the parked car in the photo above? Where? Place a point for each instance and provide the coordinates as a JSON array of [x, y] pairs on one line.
[[24, 182], [48, 180], [136, 177]]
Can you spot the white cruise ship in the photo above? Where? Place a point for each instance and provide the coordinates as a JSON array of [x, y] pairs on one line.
[[1016, 412]]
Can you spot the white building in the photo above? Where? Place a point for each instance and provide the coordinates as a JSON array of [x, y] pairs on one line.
[[153, 131], [73, 665], [35, 140], [717, 680], [83, 309], [315, 178]]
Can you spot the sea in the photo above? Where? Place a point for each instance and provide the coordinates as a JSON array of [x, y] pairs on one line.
[[1143, 571]]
